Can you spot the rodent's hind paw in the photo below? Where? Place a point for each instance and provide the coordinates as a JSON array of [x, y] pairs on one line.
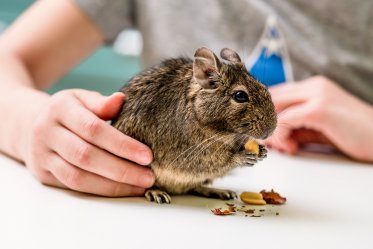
[[222, 194], [262, 152], [157, 196]]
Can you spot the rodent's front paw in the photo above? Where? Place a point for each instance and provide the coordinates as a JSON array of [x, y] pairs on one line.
[[157, 196], [246, 158]]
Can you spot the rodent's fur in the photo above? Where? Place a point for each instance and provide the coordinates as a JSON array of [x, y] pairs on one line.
[[185, 112]]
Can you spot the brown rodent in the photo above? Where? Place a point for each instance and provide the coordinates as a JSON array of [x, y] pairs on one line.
[[196, 117]]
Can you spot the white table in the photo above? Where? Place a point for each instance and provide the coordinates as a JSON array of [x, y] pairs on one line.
[[330, 205]]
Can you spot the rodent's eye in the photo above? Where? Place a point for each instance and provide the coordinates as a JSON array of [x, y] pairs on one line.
[[240, 97]]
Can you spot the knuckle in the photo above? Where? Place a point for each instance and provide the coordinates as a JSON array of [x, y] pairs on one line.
[[83, 154], [323, 84], [37, 129], [123, 148], [313, 113], [63, 93], [57, 98], [42, 176], [123, 175], [55, 103], [92, 127], [116, 190], [74, 179], [320, 78]]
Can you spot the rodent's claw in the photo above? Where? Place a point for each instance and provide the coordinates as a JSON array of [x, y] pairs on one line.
[[262, 152], [247, 158], [157, 196], [223, 194], [251, 156]]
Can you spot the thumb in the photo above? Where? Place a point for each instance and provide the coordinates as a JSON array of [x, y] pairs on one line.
[[105, 107]]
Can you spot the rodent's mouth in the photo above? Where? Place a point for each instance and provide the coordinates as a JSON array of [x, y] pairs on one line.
[[248, 134]]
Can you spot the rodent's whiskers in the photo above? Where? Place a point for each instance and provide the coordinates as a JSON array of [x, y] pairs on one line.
[[194, 147], [204, 147], [210, 143]]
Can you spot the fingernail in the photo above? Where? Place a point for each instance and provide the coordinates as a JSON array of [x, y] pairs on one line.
[[117, 93], [148, 179]]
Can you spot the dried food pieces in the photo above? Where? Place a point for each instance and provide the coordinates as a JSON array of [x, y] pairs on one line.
[[252, 146], [272, 197], [252, 198]]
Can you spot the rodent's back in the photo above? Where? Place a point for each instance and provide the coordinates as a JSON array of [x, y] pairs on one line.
[[154, 99]]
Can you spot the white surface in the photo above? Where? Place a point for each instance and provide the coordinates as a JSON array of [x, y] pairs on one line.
[[329, 206]]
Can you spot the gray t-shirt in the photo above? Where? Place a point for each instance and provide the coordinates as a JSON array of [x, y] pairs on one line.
[[332, 38]]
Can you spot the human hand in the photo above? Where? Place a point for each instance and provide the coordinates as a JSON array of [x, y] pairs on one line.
[[71, 146], [317, 110]]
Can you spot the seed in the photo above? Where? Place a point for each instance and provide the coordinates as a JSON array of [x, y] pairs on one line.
[[252, 146], [252, 198]]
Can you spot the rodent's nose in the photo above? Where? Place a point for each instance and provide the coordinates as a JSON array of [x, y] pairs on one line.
[[267, 132]]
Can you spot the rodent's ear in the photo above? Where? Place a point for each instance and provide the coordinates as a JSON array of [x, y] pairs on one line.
[[206, 65], [230, 55]]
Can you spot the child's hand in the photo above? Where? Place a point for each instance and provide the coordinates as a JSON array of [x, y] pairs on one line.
[[71, 146], [318, 110]]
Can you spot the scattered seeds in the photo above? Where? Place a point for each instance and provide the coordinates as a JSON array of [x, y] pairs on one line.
[[250, 211], [219, 211], [252, 198], [271, 197]]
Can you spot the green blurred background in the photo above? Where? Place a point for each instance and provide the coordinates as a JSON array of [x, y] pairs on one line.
[[105, 71]]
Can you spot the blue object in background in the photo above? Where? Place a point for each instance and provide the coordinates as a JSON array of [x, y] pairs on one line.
[[269, 69], [269, 61]]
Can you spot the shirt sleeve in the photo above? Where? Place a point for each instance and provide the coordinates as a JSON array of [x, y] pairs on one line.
[[111, 16]]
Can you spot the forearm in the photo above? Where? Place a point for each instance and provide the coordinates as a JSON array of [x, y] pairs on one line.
[[19, 104], [34, 53]]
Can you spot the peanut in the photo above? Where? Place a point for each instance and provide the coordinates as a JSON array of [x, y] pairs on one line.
[[252, 146], [252, 198]]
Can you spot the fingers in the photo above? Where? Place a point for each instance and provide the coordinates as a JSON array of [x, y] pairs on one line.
[[83, 181], [282, 141], [292, 118], [297, 125], [98, 161], [306, 115], [285, 95], [47, 178], [99, 133], [71, 146], [305, 136], [105, 107]]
